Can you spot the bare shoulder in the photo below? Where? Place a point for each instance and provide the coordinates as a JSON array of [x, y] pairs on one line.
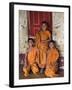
[[48, 31]]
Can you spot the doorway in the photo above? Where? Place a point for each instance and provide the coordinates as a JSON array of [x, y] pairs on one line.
[[34, 21]]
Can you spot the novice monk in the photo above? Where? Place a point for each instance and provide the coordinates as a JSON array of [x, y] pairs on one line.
[[30, 59], [42, 38], [52, 57]]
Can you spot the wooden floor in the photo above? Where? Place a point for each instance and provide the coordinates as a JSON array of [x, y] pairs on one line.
[[32, 76]]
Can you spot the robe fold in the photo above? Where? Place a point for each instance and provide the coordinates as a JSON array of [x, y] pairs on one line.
[[31, 60], [51, 65], [42, 38]]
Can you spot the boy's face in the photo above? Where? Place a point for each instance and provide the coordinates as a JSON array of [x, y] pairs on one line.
[[44, 26], [51, 45], [30, 43]]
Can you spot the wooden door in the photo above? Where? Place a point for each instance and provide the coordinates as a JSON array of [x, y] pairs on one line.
[[34, 21]]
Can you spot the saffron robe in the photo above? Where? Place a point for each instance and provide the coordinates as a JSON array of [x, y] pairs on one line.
[[51, 65], [31, 59], [42, 38]]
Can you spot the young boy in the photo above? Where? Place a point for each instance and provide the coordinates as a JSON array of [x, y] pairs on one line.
[[52, 57], [30, 59], [42, 38]]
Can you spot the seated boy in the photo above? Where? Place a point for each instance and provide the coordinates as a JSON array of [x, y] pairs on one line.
[[30, 59], [52, 57]]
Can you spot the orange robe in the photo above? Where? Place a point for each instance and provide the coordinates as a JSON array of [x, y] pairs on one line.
[[51, 66], [42, 38], [31, 59]]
